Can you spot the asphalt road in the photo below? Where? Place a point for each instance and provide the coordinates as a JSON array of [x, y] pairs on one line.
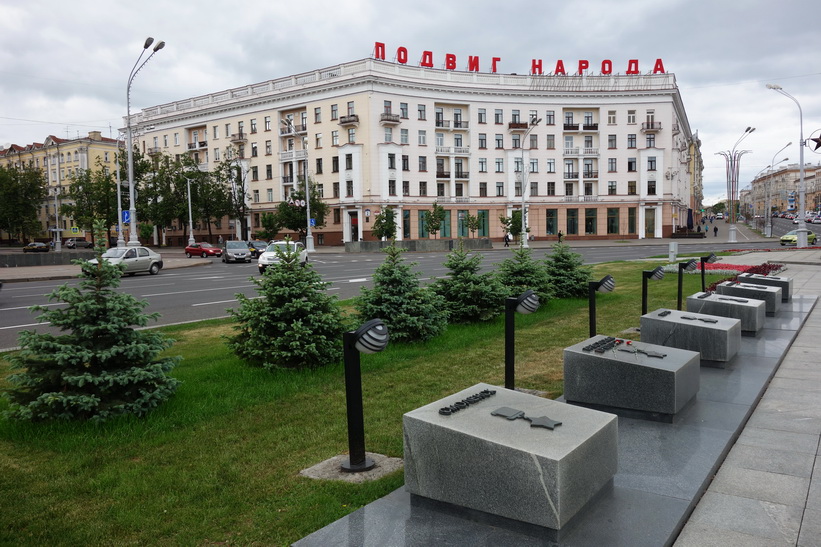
[[193, 294]]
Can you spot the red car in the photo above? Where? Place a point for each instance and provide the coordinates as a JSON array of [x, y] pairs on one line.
[[202, 249]]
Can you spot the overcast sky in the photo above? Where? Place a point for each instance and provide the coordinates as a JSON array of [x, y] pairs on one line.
[[64, 65]]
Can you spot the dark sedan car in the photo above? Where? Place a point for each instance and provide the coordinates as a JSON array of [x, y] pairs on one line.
[[36, 247], [202, 249]]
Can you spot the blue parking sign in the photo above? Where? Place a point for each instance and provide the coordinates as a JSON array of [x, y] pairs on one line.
[[126, 217]]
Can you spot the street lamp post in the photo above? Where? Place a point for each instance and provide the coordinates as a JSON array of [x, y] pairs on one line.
[[533, 124], [733, 160], [190, 216], [132, 234], [768, 228], [801, 232], [309, 238]]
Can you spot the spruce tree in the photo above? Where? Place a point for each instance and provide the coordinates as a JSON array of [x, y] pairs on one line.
[[567, 273], [99, 366], [521, 272], [411, 313], [469, 295], [293, 324]]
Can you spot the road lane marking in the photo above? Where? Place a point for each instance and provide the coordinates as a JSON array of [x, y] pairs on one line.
[[27, 307], [26, 325]]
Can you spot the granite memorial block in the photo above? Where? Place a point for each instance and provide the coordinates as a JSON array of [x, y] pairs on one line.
[[717, 339], [615, 374], [510, 454], [770, 295], [749, 311], [785, 283]]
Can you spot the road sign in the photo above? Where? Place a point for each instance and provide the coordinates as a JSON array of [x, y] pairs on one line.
[[126, 217], [75, 230], [313, 222]]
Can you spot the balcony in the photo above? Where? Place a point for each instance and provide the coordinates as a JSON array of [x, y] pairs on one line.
[[239, 137], [580, 198], [590, 152], [590, 127], [518, 126], [461, 124], [571, 175], [462, 175], [571, 151], [389, 119], [571, 127], [198, 145], [650, 127], [590, 174], [442, 174], [299, 128], [154, 151], [442, 124], [453, 150], [292, 155], [353, 119]]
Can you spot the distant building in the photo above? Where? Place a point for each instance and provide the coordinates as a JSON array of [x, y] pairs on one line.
[[782, 185], [611, 157], [60, 160]]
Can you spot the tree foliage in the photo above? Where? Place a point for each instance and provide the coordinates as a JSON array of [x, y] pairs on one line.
[[100, 366], [22, 191], [521, 272], [290, 215], [293, 323], [469, 295], [472, 223], [434, 219], [567, 273], [384, 224], [411, 313], [231, 174], [513, 223]]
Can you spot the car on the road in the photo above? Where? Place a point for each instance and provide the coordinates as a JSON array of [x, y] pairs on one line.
[[270, 255], [791, 238], [36, 247], [202, 249], [236, 251], [78, 243], [257, 247], [816, 220], [719, 216], [135, 259]]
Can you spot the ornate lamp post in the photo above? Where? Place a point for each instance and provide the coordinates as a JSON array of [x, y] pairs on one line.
[[768, 227], [733, 160], [132, 234], [533, 124], [309, 238]]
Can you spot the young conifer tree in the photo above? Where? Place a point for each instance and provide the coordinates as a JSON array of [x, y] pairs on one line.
[[293, 323], [100, 366], [567, 273], [469, 295], [411, 313], [521, 272]]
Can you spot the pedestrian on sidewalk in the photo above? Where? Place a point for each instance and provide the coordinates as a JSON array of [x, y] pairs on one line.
[[715, 231], [560, 236], [507, 240]]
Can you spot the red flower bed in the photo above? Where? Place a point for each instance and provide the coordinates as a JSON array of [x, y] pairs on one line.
[[764, 269]]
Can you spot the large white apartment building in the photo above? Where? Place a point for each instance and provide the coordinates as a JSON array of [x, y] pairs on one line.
[[601, 156]]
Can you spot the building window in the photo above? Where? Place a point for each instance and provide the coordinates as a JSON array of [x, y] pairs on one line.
[[420, 109], [268, 148], [517, 165], [631, 117], [611, 165], [216, 154], [351, 109], [405, 188], [611, 188], [482, 140], [270, 192], [551, 166], [482, 115], [549, 117], [423, 163], [611, 141], [318, 140], [391, 161], [351, 135], [551, 188], [631, 188], [651, 188], [534, 142], [631, 165], [349, 188], [388, 134], [423, 189], [631, 220], [255, 175], [391, 187], [440, 139], [405, 163], [516, 141], [254, 150], [569, 189], [335, 164], [253, 125], [423, 137], [176, 139], [534, 188], [482, 189], [269, 172], [534, 166], [335, 189], [337, 216], [500, 189], [514, 117], [318, 166], [215, 130], [612, 220], [631, 140], [483, 165], [403, 110], [348, 161], [423, 223], [500, 165], [551, 221], [457, 140], [334, 112], [500, 141], [335, 138], [440, 189], [484, 222], [498, 116], [550, 142], [572, 227], [611, 117], [650, 140], [404, 136], [256, 196], [651, 163]]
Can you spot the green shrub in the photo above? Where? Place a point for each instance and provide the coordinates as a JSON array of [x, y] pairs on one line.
[[521, 272], [293, 323], [469, 295], [567, 273], [411, 313]]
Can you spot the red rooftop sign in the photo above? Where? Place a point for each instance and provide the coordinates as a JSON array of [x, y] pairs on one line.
[[536, 65]]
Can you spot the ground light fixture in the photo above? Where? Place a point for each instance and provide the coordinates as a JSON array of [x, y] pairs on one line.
[[687, 266], [371, 337], [709, 259], [605, 284], [656, 275], [525, 303]]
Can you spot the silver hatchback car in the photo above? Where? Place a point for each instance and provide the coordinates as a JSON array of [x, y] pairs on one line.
[[236, 251], [135, 259]]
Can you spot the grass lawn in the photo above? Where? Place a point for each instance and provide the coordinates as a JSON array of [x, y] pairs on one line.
[[219, 463]]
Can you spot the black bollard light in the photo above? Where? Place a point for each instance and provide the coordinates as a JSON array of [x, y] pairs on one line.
[[605, 284], [710, 259], [656, 275], [371, 337], [687, 266], [525, 303]]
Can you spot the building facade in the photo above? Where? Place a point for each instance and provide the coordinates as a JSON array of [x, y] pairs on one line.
[[605, 157], [780, 187], [60, 160]]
